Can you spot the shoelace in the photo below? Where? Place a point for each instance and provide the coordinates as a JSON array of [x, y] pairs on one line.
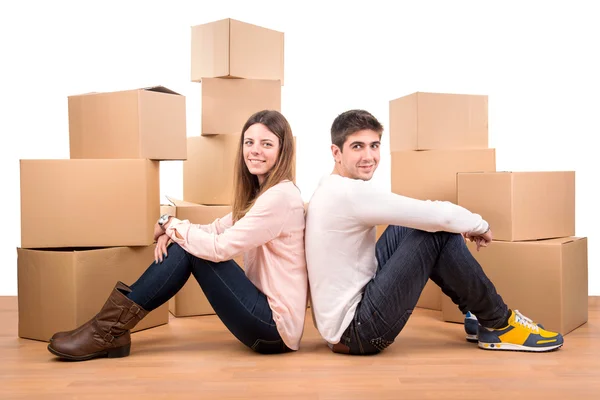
[[526, 322]]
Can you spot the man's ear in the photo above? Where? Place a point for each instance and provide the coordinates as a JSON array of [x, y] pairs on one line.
[[337, 153]]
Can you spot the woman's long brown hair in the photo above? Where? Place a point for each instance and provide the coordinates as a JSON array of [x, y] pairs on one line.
[[246, 186]]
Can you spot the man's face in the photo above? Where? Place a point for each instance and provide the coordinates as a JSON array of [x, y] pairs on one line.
[[359, 157]]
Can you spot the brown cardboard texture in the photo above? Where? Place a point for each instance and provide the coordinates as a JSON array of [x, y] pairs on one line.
[[141, 123], [547, 280], [521, 205], [438, 121], [190, 300], [88, 203], [208, 170], [431, 175], [60, 290], [230, 48], [228, 103], [167, 209]]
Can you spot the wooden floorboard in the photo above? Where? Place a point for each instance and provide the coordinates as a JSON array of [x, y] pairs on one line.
[[197, 357]]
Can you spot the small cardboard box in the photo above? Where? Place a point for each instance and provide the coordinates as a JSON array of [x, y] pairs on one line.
[[438, 121], [521, 205], [228, 103], [208, 170], [141, 123], [230, 48]]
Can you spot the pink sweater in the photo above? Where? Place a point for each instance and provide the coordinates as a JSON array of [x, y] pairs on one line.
[[271, 236]]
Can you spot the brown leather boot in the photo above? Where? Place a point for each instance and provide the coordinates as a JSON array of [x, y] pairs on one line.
[[120, 286], [105, 335]]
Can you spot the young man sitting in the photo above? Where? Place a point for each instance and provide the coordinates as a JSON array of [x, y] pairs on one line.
[[363, 291]]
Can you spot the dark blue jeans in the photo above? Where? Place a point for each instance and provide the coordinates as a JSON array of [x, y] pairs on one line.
[[406, 259], [238, 303]]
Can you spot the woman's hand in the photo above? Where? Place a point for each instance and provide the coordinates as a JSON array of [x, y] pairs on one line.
[[158, 231], [160, 251]]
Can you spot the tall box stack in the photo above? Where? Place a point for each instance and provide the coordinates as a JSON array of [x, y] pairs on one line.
[[240, 70], [434, 136], [87, 221], [535, 261]]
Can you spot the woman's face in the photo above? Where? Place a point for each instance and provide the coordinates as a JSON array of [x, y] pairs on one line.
[[260, 150]]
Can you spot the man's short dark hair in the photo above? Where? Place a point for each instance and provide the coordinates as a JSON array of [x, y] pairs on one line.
[[351, 122]]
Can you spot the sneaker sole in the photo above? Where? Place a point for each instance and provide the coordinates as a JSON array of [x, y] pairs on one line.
[[517, 347], [472, 339]]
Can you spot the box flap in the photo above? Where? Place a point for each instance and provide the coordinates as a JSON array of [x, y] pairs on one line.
[[160, 89], [181, 203]]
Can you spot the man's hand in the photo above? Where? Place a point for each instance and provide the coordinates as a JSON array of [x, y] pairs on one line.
[[480, 240], [160, 250]]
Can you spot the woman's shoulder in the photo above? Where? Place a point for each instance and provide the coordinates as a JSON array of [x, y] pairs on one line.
[[283, 191]]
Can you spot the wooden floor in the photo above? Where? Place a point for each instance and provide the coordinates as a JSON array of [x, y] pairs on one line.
[[198, 358]]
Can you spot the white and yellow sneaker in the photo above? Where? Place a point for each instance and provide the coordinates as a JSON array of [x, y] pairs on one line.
[[521, 334]]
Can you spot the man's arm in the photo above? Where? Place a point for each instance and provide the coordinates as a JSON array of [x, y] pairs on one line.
[[376, 207]]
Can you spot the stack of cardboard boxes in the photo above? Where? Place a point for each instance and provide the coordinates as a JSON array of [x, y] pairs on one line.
[[87, 222], [439, 145], [240, 70]]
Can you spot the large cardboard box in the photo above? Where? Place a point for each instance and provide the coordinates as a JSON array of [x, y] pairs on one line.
[[208, 170], [431, 175], [190, 300], [521, 205], [142, 123], [431, 296], [88, 203], [437, 121], [235, 49], [547, 280], [60, 290], [228, 103]]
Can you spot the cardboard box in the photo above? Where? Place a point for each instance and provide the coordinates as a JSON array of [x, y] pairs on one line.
[[167, 209], [235, 49], [60, 290], [142, 123], [208, 170], [438, 121], [88, 203], [431, 175], [547, 280], [431, 297], [228, 103], [190, 300], [521, 205]]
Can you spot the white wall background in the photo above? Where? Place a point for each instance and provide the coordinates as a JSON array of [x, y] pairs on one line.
[[537, 61]]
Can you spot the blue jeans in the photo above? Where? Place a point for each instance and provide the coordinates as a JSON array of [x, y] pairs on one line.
[[406, 259], [237, 302]]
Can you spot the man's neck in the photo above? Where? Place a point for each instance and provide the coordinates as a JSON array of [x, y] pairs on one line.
[[336, 171]]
